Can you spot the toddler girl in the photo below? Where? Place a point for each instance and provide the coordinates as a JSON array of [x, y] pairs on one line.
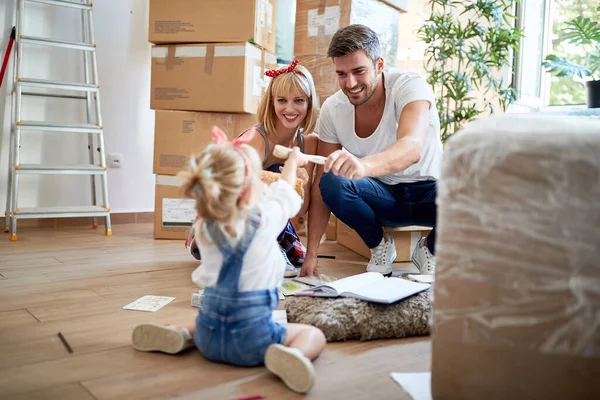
[[242, 266]]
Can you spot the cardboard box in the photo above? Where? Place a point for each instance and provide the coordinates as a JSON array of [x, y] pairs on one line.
[[331, 230], [211, 21], [405, 239], [173, 215], [301, 224], [318, 20], [323, 71], [224, 77], [179, 134]]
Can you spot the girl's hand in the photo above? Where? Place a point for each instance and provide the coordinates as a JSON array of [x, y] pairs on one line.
[[301, 174], [298, 157], [290, 168]]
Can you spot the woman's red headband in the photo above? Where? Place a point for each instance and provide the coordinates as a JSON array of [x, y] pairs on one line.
[[276, 72]]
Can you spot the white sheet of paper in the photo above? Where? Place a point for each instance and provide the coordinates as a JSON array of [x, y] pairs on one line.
[[149, 303], [417, 385], [178, 212], [280, 316]]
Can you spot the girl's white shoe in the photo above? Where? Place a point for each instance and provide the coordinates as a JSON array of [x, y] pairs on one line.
[[164, 338], [291, 366]]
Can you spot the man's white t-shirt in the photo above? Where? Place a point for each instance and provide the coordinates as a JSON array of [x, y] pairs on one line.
[[336, 125]]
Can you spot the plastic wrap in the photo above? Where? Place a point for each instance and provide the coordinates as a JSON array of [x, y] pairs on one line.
[[518, 250], [517, 289]]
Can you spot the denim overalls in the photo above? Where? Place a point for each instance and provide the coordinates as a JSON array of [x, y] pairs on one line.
[[236, 327]]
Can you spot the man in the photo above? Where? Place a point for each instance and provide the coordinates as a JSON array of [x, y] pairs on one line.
[[387, 124]]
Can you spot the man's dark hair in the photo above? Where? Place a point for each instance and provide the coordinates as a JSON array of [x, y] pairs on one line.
[[352, 38]]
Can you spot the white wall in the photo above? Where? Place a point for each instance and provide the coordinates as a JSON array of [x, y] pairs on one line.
[[123, 54]]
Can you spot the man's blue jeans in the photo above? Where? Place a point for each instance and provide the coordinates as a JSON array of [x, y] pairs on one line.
[[366, 205]]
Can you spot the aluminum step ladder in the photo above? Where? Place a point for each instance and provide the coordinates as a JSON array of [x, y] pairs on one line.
[[88, 91]]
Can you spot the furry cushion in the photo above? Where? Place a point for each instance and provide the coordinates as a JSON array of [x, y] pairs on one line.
[[350, 319]]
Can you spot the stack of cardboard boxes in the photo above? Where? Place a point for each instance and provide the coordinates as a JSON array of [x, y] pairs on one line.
[[208, 63]]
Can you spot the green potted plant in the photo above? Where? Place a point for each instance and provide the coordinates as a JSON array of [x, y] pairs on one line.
[[468, 43], [581, 32]]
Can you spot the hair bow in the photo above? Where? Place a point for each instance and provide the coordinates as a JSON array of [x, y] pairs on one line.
[[219, 137], [276, 72]]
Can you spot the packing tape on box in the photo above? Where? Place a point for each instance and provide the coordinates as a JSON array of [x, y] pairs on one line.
[[171, 59], [322, 5], [209, 59]]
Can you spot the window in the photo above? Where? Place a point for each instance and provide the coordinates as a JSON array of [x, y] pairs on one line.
[[542, 22]]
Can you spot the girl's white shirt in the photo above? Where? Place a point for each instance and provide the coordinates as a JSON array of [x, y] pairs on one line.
[[264, 265]]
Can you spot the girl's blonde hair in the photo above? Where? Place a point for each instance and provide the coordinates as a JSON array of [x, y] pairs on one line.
[[299, 79], [216, 179]]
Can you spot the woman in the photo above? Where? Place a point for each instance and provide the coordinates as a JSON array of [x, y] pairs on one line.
[[287, 115]]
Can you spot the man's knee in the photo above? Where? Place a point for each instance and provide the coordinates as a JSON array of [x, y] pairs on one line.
[[332, 188]]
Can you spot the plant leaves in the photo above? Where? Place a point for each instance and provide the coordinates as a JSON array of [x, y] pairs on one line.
[[560, 67], [582, 31]]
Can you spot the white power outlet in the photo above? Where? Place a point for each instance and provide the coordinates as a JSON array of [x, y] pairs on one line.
[[114, 160]]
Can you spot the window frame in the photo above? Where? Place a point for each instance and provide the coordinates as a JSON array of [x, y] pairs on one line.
[[528, 101]]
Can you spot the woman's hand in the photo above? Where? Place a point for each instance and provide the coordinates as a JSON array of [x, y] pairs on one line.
[[301, 174], [310, 267]]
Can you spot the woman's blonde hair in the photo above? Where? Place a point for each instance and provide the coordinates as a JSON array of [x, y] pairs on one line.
[[299, 79], [216, 179]]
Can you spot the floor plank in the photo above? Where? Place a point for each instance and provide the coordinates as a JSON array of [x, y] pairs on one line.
[[72, 391], [73, 369], [16, 319]]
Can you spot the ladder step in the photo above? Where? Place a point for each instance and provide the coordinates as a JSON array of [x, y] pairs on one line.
[[42, 83], [64, 3], [40, 169], [59, 96], [61, 212], [47, 126], [57, 43]]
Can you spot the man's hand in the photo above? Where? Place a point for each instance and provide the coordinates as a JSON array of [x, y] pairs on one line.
[[344, 164], [310, 267]]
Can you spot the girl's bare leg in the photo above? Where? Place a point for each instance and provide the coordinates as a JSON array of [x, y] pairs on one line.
[[306, 338], [291, 362]]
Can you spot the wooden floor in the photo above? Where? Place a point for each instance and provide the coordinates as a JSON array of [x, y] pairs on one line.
[[76, 281]]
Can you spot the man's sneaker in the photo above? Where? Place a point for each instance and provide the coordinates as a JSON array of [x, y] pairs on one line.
[[383, 256], [291, 366], [164, 338], [290, 270], [423, 259]]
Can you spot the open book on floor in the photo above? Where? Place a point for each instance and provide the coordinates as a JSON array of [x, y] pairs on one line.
[[368, 286]]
